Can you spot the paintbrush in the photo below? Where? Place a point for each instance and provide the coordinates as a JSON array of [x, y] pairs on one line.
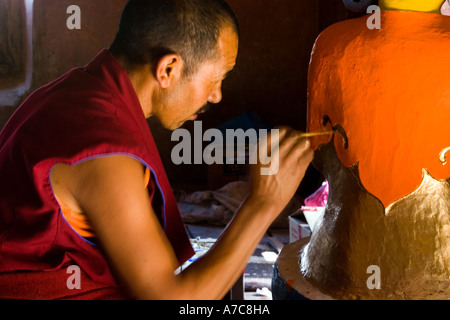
[[314, 134]]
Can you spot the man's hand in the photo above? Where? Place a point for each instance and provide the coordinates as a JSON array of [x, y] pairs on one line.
[[290, 158]]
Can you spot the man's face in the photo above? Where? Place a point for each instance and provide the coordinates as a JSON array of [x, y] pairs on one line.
[[190, 95]]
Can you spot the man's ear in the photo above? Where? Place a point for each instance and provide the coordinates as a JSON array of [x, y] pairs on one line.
[[168, 70]]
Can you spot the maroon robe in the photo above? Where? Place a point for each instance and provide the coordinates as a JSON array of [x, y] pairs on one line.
[[87, 113]]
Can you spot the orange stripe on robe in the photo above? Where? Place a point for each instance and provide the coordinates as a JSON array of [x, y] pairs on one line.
[[79, 222]]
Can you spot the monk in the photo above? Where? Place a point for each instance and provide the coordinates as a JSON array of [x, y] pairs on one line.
[[82, 184]]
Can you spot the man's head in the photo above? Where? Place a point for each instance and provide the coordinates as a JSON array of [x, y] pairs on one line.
[[185, 46], [150, 29]]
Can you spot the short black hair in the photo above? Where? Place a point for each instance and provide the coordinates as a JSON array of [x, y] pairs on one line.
[[150, 29]]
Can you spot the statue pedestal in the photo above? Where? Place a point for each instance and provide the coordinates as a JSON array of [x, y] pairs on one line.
[[288, 282]]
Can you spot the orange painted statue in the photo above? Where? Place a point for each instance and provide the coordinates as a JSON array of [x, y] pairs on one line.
[[386, 94], [387, 88]]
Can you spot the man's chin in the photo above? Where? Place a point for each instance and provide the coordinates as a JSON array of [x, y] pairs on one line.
[[178, 125]]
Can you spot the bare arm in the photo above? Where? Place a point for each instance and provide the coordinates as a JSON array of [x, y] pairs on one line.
[[110, 191]]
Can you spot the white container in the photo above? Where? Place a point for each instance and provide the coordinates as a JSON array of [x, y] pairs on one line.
[[312, 215]]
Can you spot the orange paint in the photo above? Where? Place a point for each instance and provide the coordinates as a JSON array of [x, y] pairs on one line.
[[390, 90], [289, 284]]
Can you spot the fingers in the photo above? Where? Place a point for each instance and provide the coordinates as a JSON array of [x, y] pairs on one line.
[[306, 157], [276, 180], [283, 147], [294, 144]]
